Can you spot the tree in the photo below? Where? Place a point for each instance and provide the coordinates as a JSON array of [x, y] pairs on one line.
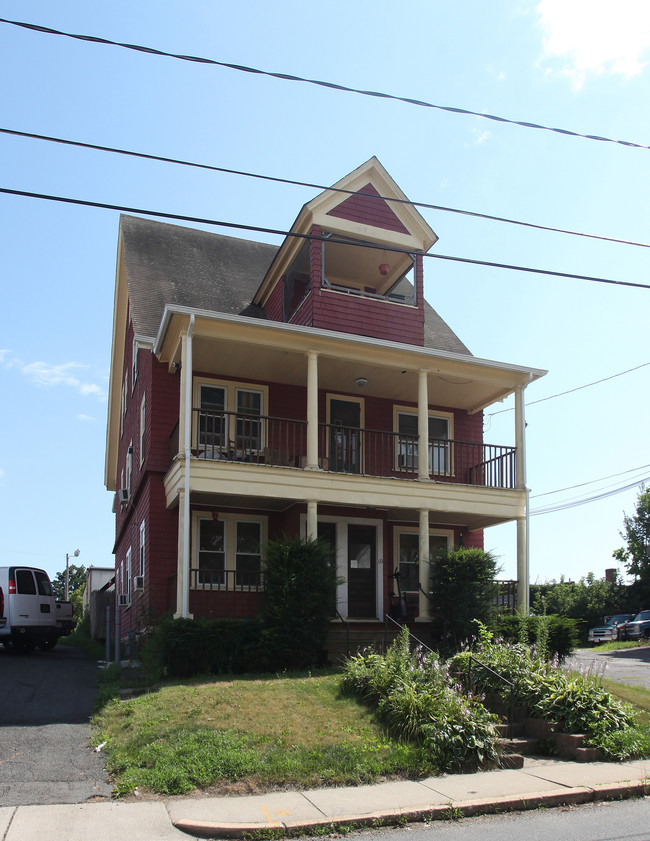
[[76, 579], [635, 556], [463, 588]]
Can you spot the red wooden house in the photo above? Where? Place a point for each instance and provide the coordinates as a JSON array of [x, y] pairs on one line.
[[307, 389]]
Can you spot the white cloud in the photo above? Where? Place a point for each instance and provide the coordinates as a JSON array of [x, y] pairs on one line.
[[47, 375], [591, 37], [86, 418]]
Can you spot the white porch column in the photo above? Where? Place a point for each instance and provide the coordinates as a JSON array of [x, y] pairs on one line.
[[423, 426], [312, 410], [423, 566], [185, 438], [312, 520], [523, 549]]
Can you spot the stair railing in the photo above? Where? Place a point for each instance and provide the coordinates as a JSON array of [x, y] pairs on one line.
[[388, 618], [347, 633], [509, 684]]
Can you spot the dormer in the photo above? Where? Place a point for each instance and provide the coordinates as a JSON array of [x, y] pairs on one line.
[[353, 261]]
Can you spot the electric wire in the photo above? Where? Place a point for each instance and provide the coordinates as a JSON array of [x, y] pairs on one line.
[[571, 390], [277, 232], [296, 183], [591, 482], [288, 77], [565, 506]]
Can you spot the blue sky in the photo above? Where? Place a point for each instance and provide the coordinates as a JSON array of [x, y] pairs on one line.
[[575, 64]]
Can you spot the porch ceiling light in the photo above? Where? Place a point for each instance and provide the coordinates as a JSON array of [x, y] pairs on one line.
[[361, 381]]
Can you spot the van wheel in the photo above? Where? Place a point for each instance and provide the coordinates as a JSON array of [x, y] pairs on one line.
[[48, 644]]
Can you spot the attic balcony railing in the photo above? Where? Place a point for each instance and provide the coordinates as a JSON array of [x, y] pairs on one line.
[[260, 439]]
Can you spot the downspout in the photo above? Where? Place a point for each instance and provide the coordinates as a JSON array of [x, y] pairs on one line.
[[185, 610]]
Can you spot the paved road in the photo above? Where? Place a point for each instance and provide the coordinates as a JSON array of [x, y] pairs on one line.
[[629, 665], [46, 700]]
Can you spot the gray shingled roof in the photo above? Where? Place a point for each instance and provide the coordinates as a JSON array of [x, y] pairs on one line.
[[169, 264]]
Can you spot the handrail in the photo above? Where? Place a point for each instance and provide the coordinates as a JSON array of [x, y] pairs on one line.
[[408, 631], [347, 633], [511, 710]]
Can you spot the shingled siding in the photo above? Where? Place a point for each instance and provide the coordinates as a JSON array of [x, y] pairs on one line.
[[369, 317], [369, 210]]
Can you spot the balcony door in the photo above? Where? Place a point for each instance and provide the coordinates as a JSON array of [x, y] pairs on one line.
[[345, 435]]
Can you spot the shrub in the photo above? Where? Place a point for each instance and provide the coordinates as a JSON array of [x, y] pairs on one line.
[[463, 590], [415, 700], [300, 587], [563, 634]]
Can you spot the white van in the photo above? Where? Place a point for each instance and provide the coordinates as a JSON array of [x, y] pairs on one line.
[[28, 609]]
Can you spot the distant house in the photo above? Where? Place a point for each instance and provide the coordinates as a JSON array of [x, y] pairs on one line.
[[98, 593], [307, 389]]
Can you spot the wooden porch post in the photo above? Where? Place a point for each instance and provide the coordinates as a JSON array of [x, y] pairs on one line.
[[523, 598], [312, 410], [423, 566], [423, 426], [312, 520]]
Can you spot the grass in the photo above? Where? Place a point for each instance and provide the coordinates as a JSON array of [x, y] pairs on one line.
[[249, 735], [618, 646]]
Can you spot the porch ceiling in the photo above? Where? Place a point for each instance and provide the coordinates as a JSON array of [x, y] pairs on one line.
[[462, 383]]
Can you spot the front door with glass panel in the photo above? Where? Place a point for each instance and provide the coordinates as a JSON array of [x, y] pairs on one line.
[[362, 571], [345, 436]]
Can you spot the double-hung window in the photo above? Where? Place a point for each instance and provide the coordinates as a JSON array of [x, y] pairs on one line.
[[439, 443], [248, 421], [212, 419], [230, 420], [248, 553], [212, 553]]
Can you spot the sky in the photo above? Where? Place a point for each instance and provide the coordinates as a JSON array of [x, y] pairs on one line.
[[578, 65]]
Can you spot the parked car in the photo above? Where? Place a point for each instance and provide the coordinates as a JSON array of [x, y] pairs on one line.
[[611, 630], [638, 628], [30, 615]]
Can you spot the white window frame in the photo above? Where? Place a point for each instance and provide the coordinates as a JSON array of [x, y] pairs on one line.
[[433, 532], [135, 370], [129, 468], [142, 550], [412, 457], [143, 427], [127, 576], [231, 388], [230, 522]]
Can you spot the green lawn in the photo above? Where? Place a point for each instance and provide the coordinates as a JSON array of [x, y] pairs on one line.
[[248, 735]]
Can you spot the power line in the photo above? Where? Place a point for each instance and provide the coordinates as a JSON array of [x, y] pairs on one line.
[[293, 182], [275, 231], [591, 482], [571, 390], [595, 498], [288, 77]]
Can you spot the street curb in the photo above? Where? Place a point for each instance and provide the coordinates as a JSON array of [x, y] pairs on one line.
[[453, 810]]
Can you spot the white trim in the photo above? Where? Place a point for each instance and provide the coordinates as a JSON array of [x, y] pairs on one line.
[[230, 522], [342, 558]]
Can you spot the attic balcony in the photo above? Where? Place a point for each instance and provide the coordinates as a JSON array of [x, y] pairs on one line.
[[281, 442]]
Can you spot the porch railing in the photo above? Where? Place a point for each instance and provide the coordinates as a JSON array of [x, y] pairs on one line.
[[261, 439], [218, 593]]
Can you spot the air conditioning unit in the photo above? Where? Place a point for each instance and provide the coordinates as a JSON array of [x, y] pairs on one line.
[[123, 496], [123, 600], [138, 582]]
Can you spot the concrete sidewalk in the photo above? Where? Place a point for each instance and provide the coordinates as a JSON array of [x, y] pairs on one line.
[[549, 782]]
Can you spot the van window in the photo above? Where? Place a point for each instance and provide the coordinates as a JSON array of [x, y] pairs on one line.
[[43, 582], [25, 582]]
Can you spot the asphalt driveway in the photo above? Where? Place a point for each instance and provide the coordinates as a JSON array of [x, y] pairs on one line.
[[46, 700], [629, 665]]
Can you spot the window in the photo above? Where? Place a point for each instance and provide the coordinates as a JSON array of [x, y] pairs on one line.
[[230, 419], [142, 545], [43, 583], [25, 582], [129, 467], [408, 566], [212, 420], [212, 552], [439, 444], [127, 574], [249, 425], [248, 553], [143, 418], [134, 373], [228, 553]]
